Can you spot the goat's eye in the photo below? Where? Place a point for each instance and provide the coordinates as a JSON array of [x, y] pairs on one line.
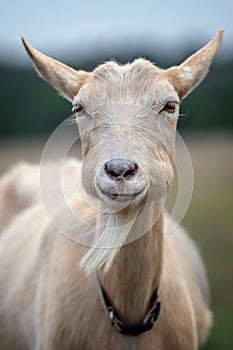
[[170, 107], [79, 110]]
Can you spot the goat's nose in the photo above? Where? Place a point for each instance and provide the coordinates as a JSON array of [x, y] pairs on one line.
[[120, 169]]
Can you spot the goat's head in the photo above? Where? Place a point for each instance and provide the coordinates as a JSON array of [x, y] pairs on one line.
[[127, 116]]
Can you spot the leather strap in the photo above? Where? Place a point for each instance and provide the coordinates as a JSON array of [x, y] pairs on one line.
[[124, 328]]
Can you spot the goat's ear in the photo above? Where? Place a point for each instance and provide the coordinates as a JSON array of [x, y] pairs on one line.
[[64, 79], [193, 70]]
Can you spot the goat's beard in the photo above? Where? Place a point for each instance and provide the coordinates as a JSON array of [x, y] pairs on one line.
[[108, 241], [119, 228]]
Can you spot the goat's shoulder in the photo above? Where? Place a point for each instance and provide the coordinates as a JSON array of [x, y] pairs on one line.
[[19, 189]]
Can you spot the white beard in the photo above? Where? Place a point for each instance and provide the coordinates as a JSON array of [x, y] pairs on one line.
[[107, 242]]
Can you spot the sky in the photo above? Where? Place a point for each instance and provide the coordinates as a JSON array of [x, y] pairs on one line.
[[59, 27]]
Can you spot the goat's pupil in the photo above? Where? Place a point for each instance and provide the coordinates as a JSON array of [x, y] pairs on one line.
[[170, 107]]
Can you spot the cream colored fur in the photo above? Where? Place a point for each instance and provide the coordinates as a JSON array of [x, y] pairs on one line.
[[47, 301]]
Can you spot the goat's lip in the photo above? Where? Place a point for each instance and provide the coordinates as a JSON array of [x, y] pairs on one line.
[[119, 197]]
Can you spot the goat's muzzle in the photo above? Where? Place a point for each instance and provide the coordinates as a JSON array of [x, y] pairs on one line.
[[120, 169], [120, 180]]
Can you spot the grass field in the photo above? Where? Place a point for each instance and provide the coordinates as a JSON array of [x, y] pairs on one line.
[[209, 218]]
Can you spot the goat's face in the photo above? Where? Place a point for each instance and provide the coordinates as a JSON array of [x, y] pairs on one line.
[[127, 118]]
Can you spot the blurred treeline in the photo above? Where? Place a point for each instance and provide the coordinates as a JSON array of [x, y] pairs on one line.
[[30, 107]]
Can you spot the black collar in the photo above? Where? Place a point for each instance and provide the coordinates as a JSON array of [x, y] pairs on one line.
[[129, 329]]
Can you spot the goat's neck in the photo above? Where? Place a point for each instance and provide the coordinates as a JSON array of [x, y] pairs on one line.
[[136, 272]]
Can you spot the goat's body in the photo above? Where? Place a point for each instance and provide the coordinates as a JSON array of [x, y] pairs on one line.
[[47, 303]]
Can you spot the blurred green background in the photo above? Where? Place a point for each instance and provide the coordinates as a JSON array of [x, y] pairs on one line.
[[31, 110]]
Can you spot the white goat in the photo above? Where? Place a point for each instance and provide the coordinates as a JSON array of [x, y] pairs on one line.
[[127, 117]]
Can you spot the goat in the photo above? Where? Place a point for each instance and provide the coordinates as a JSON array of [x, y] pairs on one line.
[[127, 116]]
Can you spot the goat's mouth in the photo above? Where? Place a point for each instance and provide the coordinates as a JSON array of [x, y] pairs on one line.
[[120, 197]]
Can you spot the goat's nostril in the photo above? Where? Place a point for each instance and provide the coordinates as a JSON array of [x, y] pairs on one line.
[[119, 169]]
